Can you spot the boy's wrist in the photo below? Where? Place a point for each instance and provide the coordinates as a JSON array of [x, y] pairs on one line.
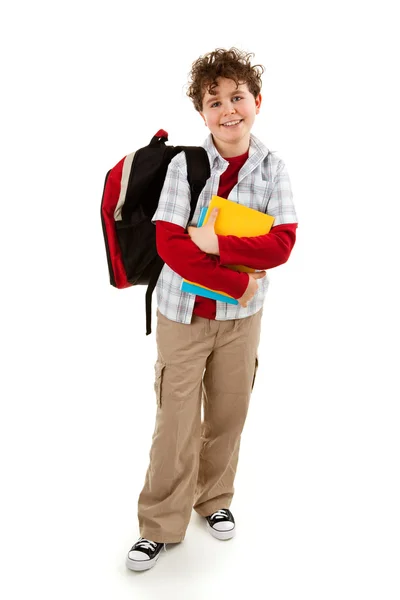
[[216, 246]]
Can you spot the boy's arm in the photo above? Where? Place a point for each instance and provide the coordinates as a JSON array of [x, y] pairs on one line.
[[183, 256], [175, 246], [259, 252], [274, 248]]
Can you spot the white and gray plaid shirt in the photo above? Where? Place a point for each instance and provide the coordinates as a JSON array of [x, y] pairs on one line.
[[263, 184]]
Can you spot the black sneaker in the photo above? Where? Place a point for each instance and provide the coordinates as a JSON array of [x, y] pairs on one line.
[[144, 554], [221, 524]]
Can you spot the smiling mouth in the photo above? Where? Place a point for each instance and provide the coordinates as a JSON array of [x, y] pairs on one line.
[[232, 123]]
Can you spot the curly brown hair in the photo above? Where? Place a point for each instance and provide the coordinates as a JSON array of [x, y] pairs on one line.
[[232, 64]]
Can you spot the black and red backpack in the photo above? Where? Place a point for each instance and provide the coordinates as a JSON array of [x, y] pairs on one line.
[[130, 198]]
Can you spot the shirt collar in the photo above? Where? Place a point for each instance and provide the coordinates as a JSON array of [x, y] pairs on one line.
[[257, 150]]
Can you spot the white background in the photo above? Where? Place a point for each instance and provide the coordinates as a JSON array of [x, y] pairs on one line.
[[317, 487]]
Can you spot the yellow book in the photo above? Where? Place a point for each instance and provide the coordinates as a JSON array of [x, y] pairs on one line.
[[233, 219]]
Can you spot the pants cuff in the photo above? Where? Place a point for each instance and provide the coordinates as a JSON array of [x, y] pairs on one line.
[[158, 536], [205, 511]]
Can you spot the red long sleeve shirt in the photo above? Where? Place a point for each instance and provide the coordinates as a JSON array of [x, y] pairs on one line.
[[260, 252]]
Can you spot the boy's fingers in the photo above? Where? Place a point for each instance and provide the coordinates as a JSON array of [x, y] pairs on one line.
[[258, 275], [213, 215]]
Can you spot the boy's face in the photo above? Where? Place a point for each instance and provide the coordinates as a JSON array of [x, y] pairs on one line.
[[230, 104]]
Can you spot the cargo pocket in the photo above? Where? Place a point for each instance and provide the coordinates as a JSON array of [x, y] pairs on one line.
[[159, 370], [255, 372]]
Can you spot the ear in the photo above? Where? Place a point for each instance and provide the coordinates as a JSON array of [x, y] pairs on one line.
[[203, 117], [258, 103]]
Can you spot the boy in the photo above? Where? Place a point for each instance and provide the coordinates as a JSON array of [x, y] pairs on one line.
[[207, 349]]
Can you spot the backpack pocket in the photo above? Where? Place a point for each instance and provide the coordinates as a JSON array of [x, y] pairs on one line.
[[137, 241]]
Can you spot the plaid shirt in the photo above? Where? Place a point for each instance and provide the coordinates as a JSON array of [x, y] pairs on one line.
[[263, 184]]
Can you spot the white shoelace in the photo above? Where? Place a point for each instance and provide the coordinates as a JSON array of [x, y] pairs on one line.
[[220, 513], [148, 544]]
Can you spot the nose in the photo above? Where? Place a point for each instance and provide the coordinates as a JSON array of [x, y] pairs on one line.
[[229, 109]]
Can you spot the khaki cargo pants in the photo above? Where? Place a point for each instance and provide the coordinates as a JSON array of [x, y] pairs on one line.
[[193, 463]]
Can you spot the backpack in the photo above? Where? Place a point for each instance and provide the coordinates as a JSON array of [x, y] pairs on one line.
[[130, 198]]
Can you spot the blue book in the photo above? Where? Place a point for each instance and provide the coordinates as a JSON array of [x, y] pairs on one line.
[[199, 290], [203, 213]]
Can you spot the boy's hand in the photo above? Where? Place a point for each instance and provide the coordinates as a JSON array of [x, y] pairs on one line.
[[251, 288], [205, 237]]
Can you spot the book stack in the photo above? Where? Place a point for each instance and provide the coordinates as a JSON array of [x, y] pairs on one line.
[[233, 219]]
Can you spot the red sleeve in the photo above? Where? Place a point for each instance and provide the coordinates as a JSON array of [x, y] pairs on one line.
[[259, 252], [183, 256]]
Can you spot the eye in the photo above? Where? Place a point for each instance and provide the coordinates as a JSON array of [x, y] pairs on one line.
[[214, 103], [237, 98]]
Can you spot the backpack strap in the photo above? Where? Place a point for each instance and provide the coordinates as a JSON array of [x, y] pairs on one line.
[[198, 170]]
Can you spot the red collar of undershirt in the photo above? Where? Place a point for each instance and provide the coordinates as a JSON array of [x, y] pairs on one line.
[[237, 159]]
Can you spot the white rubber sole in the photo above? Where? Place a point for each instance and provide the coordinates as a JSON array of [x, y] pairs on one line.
[[221, 535]]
